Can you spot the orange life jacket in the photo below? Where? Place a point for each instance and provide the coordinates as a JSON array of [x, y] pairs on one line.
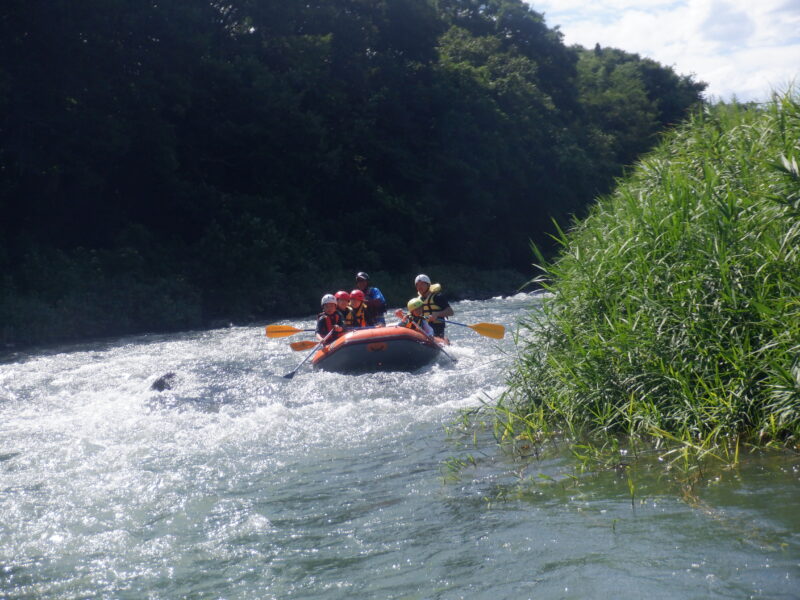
[[358, 316], [413, 322]]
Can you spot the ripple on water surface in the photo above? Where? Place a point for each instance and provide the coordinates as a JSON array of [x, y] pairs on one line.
[[238, 483]]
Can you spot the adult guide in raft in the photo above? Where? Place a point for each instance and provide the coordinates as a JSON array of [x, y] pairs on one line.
[[373, 298], [435, 306]]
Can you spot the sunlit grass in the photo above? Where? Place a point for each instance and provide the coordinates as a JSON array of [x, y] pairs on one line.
[[675, 315]]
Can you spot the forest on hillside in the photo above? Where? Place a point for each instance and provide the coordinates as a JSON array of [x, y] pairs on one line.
[[163, 165]]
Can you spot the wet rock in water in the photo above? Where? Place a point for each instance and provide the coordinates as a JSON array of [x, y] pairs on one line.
[[165, 382]]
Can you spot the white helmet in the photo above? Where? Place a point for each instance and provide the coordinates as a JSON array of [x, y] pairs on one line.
[[328, 299], [423, 278]]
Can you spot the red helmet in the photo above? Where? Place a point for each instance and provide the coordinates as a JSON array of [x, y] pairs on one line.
[[342, 295], [357, 295]]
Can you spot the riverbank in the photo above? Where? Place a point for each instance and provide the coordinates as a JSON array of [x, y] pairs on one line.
[[674, 314], [83, 305]]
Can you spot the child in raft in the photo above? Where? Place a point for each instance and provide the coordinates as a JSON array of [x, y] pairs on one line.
[[360, 314], [414, 319], [329, 319], [343, 306]]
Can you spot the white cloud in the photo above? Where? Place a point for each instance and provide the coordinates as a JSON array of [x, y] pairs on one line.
[[744, 48], [727, 25]]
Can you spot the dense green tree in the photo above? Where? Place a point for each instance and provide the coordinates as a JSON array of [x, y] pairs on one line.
[[163, 165], [628, 100]]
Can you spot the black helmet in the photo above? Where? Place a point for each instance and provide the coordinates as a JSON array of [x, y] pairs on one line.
[[362, 275]]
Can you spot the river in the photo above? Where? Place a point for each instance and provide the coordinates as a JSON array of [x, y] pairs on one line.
[[240, 484]]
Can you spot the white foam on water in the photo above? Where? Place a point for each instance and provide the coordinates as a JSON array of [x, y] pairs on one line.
[[98, 458]]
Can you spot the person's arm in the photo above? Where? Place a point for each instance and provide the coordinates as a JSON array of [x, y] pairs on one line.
[[402, 316], [380, 301], [427, 329], [446, 310]]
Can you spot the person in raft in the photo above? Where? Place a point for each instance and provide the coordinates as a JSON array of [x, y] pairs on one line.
[[373, 297], [343, 305], [360, 314], [434, 305], [329, 319], [414, 319]]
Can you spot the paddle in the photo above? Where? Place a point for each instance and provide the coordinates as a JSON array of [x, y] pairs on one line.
[[325, 339], [492, 330], [305, 345], [439, 346], [276, 331]]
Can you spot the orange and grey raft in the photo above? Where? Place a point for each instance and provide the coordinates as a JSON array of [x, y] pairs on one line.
[[377, 349]]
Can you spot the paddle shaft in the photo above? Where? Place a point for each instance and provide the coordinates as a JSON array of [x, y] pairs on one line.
[[492, 330], [325, 339], [457, 323], [431, 338]]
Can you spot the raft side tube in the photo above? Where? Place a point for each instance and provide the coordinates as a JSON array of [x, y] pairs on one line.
[[378, 349]]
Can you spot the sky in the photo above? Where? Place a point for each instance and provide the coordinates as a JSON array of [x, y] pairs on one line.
[[741, 48]]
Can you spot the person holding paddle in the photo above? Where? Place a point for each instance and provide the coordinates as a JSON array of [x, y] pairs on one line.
[[329, 320], [435, 306]]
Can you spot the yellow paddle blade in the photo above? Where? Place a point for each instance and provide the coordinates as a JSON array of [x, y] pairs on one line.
[[492, 330], [307, 345], [276, 331]]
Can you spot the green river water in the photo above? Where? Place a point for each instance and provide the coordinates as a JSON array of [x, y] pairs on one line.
[[241, 484]]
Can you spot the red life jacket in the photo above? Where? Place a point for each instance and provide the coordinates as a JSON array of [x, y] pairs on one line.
[[331, 321]]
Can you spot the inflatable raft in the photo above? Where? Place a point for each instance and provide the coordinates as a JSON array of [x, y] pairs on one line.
[[377, 349]]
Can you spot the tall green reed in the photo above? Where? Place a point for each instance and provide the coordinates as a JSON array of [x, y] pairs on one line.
[[675, 307]]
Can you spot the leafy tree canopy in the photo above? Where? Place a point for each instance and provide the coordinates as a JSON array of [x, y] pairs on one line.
[[197, 157]]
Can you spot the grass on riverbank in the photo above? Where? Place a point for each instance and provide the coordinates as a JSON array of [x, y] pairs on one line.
[[675, 313]]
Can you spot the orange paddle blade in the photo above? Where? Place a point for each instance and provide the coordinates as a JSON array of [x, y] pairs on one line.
[[306, 345], [276, 331], [492, 330]]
